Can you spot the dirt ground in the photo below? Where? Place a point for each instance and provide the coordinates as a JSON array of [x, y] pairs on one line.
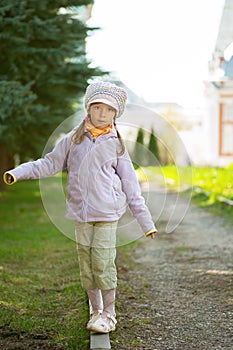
[[179, 293]]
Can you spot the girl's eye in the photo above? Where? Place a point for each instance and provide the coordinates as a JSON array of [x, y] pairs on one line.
[[111, 110]]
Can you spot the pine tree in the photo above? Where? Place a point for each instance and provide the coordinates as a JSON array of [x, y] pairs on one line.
[[43, 72], [153, 158], [140, 151]]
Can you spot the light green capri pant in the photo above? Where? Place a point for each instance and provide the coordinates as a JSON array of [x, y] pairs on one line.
[[96, 244]]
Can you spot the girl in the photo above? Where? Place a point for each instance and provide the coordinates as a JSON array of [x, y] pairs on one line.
[[101, 183]]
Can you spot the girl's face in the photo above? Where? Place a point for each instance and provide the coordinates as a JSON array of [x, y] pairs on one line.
[[101, 114]]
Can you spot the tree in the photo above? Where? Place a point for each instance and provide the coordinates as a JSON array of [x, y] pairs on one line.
[[43, 72], [140, 151], [153, 158]]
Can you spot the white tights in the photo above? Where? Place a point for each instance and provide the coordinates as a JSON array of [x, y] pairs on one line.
[[102, 300]]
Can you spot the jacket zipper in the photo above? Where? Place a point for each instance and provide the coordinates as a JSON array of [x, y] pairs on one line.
[[85, 201]]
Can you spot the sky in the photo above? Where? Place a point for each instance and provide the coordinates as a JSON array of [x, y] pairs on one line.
[[159, 48]]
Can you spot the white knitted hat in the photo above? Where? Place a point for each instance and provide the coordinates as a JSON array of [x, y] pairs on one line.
[[108, 93]]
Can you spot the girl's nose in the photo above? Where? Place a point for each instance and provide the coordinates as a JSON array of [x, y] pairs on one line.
[[103, 112]]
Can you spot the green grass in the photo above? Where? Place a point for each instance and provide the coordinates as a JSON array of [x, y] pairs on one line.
[[40, 285], [218, 181], [209, 186]]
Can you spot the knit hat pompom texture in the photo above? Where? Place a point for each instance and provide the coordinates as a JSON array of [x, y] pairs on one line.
[[108, 93]]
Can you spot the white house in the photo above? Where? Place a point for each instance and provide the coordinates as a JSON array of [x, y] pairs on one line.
[[218, 121]]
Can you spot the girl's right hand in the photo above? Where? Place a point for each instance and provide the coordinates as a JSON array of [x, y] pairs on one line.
[[9, 178]]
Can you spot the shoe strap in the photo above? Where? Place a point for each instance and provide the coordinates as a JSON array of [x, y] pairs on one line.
[[111, 317]]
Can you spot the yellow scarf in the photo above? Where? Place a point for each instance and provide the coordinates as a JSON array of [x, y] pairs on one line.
[[95, 132]]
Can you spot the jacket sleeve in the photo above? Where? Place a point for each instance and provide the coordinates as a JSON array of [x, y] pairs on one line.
[[51, 164], [135, 200]]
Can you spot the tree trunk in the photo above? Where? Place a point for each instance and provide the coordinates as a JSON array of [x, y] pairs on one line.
[[6, 163]]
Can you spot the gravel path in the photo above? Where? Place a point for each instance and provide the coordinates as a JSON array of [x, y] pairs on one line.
[[178, 294]]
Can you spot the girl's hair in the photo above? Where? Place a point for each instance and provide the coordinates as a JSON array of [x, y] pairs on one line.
[[78, 137], [122, 151]]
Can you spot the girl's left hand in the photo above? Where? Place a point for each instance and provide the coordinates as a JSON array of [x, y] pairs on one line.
[[152, 235]]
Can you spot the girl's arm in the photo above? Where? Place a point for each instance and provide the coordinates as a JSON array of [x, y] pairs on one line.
[[51, 164], [136, 202]]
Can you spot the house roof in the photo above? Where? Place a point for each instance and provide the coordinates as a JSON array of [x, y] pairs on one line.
[[225, 33], [227, 67]]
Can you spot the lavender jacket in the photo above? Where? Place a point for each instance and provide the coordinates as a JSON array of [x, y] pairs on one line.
[[100, 182]]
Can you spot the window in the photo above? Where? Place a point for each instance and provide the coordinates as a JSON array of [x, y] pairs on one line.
[[226, 129]]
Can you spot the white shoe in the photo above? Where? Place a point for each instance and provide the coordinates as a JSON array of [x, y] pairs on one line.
[[104, 325], [93, 318]]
